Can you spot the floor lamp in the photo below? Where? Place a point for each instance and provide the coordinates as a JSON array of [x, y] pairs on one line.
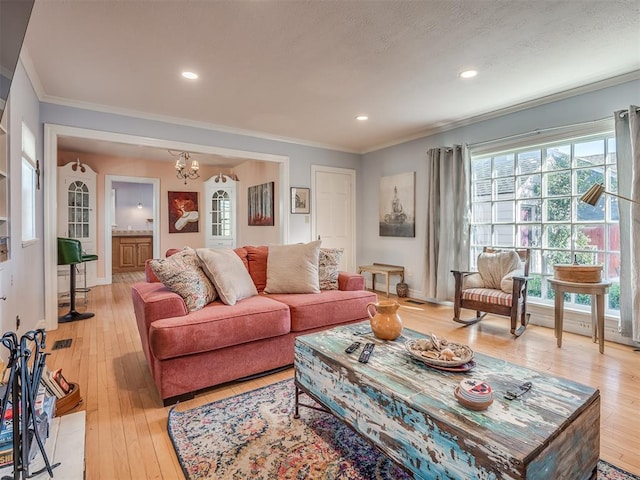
[[592, 195]]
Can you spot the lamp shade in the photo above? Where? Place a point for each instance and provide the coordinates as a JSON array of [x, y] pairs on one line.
[[592, 195]]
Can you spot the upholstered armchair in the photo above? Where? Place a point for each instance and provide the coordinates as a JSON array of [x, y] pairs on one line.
[[499, 287]]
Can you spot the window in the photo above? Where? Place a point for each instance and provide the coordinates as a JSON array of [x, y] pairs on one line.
[[529, 197], [28, 185]]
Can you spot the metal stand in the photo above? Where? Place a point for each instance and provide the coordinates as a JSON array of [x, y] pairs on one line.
[[22, 389]]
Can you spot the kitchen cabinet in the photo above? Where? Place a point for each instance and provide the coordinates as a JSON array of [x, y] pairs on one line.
[[130, 252]]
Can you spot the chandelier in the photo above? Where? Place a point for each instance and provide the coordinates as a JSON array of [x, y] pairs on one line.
[[182, 172]]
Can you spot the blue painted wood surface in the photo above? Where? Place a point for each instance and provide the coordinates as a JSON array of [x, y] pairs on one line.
[[410, 411]]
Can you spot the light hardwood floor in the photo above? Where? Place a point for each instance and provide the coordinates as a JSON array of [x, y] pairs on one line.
[[126, 433]]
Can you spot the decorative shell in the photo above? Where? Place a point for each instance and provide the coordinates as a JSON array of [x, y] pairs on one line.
[[439, 352]]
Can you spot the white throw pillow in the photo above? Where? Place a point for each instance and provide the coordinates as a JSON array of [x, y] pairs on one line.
[[181, 273], [293, 268], [494, 266], [473, 280], [227, 272], [506, 284]]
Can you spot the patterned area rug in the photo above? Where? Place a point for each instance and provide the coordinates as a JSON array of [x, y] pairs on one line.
[[254, 436]]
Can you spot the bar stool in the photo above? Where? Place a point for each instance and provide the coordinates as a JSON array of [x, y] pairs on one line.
[[70, 253]]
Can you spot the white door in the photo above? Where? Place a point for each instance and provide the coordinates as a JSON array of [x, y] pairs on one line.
[[334, 205], [77, 213]]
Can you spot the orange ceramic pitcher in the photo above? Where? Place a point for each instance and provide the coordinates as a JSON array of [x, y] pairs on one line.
[[386, 323]]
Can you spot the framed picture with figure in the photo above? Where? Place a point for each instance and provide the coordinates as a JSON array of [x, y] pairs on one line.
[[183, 212], [300, 200]]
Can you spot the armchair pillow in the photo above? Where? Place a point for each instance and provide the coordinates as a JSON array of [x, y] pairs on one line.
[[227, 272], [181, 273], [494, 266], [506, 284], [293, 268]]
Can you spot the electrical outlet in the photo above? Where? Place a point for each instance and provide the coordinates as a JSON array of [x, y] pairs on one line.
[[17, 322]]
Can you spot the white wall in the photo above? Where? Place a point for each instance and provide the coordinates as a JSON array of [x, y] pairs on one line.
[[128, 215], [22, 276]]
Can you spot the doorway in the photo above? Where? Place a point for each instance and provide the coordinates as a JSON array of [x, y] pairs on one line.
[[149, 223], [53, 132]]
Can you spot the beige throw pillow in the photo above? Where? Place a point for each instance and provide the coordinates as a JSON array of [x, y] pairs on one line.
[[227, 272], [328, 263], [181, 273], [494, 266], [506, 284], [293, 268]]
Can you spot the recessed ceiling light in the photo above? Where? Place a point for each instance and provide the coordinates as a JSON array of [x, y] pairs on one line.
[[190, 75], [362, 118], [468, 74]]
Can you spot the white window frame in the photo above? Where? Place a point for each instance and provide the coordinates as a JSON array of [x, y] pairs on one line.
[[29, 165], [511, 221]]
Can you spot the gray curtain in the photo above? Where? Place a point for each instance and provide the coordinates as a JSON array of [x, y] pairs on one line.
[[628, 163], [447, 244]]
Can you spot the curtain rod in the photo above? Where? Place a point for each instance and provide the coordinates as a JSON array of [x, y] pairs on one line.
[[535, 132], [624, 113]]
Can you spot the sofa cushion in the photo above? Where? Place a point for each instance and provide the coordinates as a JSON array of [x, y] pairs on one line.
[[181, 273], [309, 310], [293, 268], [328, 262], [257, 265], [227, 272], [219, 326]]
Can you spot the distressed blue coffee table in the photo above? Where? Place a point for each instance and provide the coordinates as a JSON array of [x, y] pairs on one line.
[[409, 411]]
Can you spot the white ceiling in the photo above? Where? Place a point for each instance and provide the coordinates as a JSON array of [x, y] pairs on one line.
[[302, 70]]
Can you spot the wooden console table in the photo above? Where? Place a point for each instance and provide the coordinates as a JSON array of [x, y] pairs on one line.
[[382, 269], [597, 292]]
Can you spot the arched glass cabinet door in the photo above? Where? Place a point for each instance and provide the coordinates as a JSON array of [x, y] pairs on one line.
[[221, 212], [79, 209]]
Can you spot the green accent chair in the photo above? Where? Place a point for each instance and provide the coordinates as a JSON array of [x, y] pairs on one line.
[[70, 253]]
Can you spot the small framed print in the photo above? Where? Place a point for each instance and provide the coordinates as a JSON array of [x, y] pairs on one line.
[[300, 200]]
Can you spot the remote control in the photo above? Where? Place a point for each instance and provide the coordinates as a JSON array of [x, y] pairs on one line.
[[352, 348], [366, 353]]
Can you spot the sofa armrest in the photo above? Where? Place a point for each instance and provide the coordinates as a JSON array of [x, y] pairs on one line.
[[153, 301], [148, 273], [348, 281]]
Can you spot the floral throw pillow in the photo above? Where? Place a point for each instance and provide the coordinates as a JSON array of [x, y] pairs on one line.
[[328, 262], [181, 273]]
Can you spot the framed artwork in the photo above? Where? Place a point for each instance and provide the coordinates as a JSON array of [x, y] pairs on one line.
[[183, 212], [261, 205], [397, 205], [300, 200]]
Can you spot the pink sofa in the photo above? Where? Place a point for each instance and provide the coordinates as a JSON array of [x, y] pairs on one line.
[[188, 351]]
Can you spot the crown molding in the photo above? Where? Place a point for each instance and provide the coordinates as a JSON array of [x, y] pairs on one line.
[[32, 72], [185, 122]]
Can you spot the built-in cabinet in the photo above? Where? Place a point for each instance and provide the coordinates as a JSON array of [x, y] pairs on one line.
[[129, 253], [4, 189], [220, 212], [77, 213]]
